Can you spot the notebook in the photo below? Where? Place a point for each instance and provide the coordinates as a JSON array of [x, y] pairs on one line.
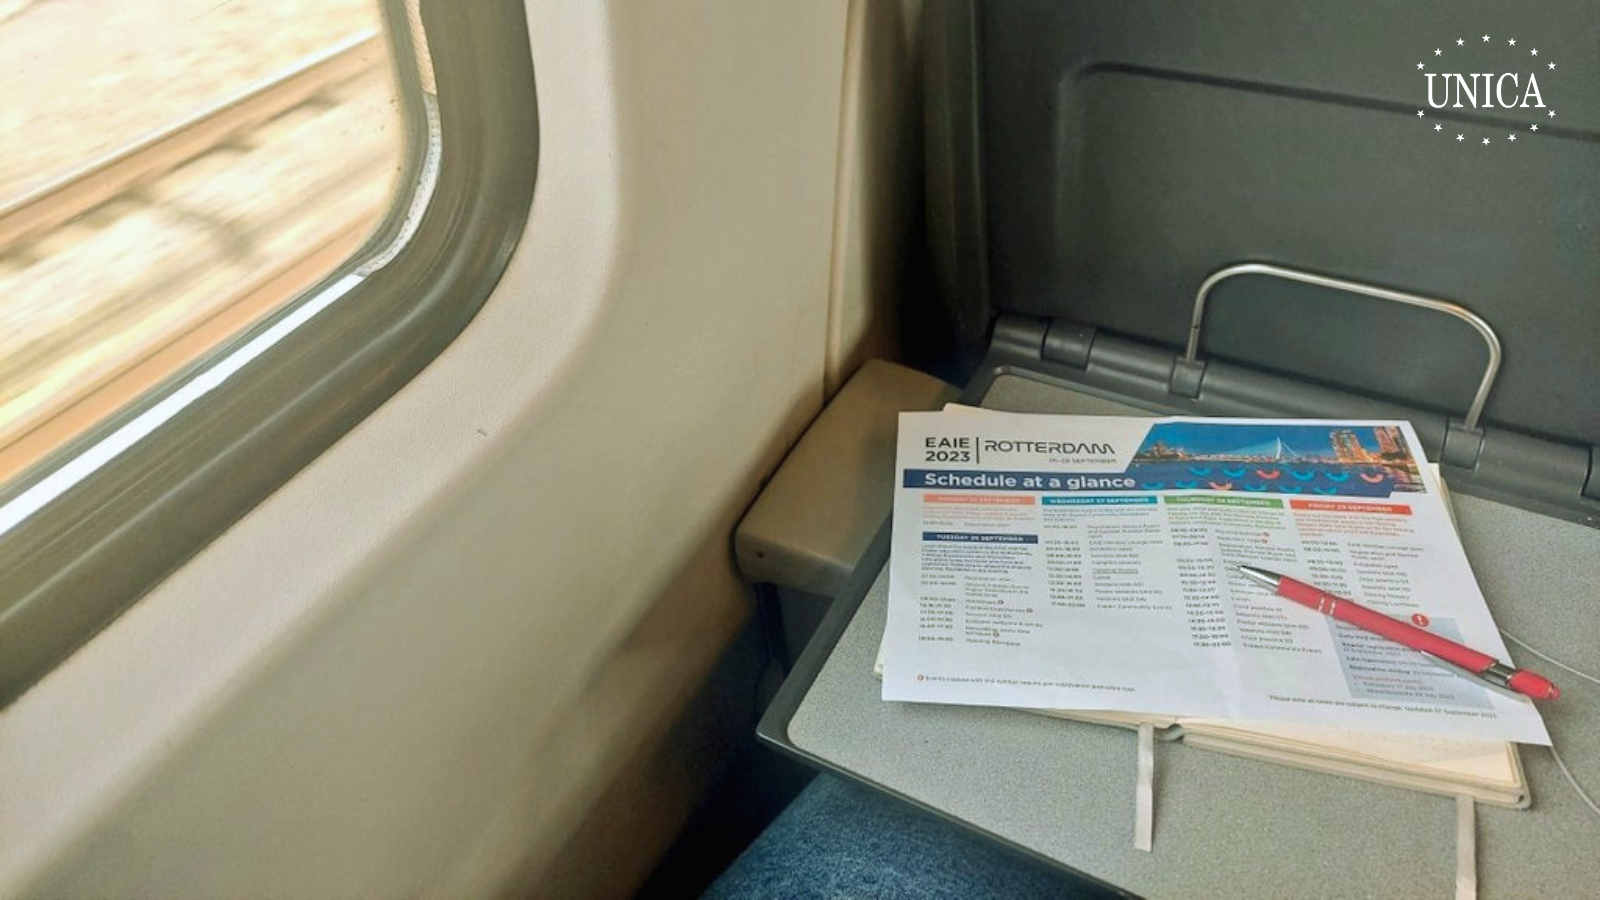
[[1487, 771]]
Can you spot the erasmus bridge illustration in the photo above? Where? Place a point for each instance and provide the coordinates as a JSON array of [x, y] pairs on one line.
[[1287, 459], [1276, 450]]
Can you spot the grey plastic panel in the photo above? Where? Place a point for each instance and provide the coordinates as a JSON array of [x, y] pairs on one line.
[[1130, 149]]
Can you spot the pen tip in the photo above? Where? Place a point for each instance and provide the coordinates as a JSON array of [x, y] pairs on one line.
[[1270, 579]]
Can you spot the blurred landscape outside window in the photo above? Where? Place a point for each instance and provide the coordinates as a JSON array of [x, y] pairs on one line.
[[170, 172]]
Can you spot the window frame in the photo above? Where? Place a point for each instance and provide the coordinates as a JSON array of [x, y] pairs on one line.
[[71, 567]]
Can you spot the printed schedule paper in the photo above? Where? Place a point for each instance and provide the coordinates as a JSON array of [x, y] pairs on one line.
[[1085, 562]]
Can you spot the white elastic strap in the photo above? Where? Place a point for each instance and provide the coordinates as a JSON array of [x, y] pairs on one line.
[[1144, 792], [1466, 849]]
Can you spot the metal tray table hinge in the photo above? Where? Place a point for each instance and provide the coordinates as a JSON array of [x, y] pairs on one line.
[[1068, 343], [1020, 336]]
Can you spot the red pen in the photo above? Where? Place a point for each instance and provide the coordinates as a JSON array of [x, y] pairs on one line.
[[1463, 660]]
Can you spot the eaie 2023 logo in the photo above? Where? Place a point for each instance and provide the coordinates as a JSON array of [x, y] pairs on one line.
[[1490, 74]]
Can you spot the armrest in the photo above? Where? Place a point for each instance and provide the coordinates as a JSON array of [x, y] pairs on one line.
[[816, 517]]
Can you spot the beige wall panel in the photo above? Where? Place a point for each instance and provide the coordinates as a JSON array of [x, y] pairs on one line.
[[880, 180], [413, 669]]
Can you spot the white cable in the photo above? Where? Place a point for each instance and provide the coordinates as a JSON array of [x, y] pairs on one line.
[[1573, 781], [1560, 764], [1554, 662]]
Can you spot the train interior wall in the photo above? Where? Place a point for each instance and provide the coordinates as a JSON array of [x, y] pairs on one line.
[[452, 657]]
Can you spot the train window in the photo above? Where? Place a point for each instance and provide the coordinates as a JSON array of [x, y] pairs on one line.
[[227, 232], [170, 176]]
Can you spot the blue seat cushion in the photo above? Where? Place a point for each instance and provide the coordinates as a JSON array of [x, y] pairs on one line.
[[839, 839]]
